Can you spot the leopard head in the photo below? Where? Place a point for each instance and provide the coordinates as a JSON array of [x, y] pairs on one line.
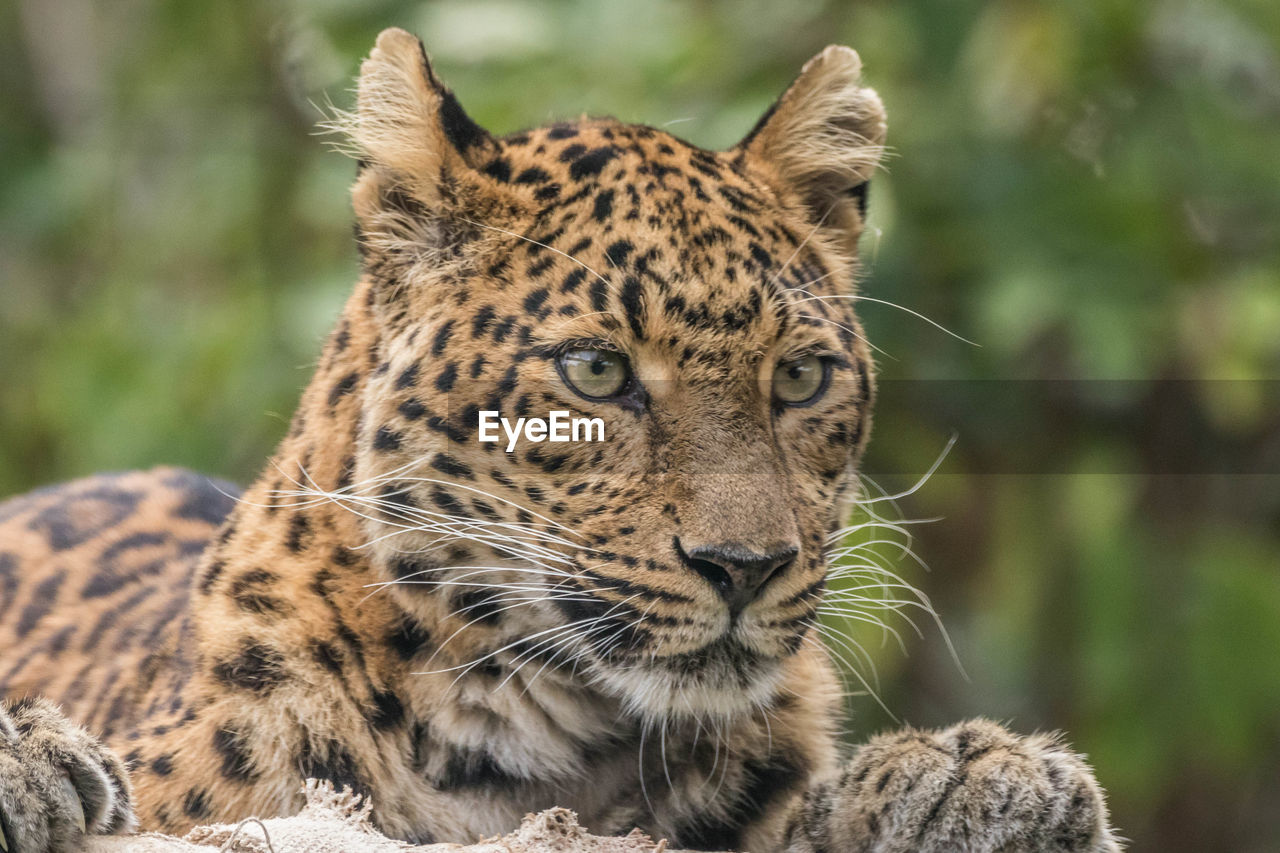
[[697, 303]]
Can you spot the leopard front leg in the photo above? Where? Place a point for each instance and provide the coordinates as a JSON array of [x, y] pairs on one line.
[[57, 782], [972, 787]]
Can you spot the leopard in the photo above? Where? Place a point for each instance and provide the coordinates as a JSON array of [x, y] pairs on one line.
[[463, 632]]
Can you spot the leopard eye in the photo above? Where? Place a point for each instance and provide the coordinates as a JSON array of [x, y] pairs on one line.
[[800, 380], [594, 373]]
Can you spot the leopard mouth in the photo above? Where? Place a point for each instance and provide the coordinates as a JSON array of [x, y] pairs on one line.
[[724, 658]]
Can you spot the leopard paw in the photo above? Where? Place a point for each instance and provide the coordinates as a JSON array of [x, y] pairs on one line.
[[57, 782], [973, 787]]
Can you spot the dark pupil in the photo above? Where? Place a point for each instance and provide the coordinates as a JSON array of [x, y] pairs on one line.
[[794, 371], [598, 365]]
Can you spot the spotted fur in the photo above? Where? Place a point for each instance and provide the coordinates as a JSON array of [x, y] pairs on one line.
[[467, 634]]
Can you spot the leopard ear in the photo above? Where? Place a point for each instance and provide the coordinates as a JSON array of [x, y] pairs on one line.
[[822, 139], [423, 160]]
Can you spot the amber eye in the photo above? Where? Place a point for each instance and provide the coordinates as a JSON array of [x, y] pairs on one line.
[[594, 372], [799, 380]]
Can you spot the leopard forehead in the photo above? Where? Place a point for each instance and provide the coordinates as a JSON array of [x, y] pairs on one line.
[[634, 235]]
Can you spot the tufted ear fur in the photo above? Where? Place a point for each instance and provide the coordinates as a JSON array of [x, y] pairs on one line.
[[823, 139], [421, 156]]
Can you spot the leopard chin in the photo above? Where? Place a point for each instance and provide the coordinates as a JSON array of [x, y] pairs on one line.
[[723, 681]]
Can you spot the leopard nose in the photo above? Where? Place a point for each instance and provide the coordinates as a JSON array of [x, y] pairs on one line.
[[736, 572]]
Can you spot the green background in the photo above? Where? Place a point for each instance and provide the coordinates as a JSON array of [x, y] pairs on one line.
[[1089, 190]]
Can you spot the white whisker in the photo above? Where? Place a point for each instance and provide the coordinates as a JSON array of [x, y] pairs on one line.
[[924, 478], [860, 298], [606, 281]]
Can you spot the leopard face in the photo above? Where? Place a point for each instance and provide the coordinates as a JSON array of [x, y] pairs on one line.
[[699, 304]]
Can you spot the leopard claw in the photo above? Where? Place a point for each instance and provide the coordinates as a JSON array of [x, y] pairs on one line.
[[73, 803]]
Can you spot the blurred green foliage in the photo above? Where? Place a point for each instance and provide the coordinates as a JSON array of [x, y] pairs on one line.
[[1089, 190]]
